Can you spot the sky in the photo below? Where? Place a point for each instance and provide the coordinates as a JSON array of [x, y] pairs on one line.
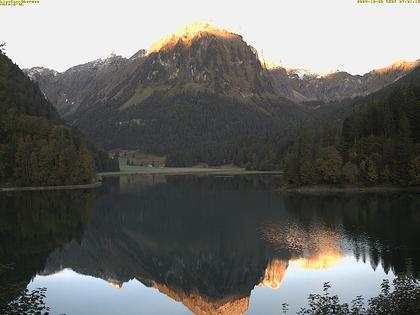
[[321, 35]]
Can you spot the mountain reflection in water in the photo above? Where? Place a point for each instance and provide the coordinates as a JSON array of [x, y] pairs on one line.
[[204, 241]]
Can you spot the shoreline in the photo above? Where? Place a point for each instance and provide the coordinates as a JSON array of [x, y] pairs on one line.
[[346, 189], [146, 171], [185, 171], [62, 187]]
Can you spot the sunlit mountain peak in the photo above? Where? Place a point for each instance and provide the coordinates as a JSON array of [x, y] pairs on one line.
[[187, 34], [400, 64]]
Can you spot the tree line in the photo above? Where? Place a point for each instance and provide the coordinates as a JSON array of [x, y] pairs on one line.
[[378, 143]]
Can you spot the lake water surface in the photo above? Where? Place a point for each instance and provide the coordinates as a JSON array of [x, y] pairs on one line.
[[203, 244]]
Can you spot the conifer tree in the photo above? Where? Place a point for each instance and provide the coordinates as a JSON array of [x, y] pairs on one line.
[[402, 153]]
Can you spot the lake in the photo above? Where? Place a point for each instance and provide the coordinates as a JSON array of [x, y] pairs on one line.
[[182, 244]]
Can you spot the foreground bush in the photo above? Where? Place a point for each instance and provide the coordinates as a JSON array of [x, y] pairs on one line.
[[404, 298]]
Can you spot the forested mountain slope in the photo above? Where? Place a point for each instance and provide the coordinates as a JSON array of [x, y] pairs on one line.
[[378, 142], [36, 147]]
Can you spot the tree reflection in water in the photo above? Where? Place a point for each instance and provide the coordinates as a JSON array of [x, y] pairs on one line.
[[206, 241]]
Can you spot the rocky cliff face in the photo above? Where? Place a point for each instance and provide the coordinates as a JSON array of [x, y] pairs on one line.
[[209, 58]]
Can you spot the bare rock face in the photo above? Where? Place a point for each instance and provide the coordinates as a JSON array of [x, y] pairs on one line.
[[210, 58]]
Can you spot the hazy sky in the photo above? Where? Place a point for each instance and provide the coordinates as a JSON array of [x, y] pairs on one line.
[[318, 34]]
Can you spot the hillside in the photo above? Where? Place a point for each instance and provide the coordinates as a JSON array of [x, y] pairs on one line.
[[36, 147]]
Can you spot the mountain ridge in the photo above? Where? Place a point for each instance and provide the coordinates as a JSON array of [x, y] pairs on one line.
[[204, 57], [296, 84]]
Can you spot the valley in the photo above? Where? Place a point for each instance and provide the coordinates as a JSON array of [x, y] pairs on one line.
[[202, 96]]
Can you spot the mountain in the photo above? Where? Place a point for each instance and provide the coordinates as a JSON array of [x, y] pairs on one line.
[[68, 90], [206, 58], [71, 88], [201, 56], [36, 147], [301, 85], [194, 89]]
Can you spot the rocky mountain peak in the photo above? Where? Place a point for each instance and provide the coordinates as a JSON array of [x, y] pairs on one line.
[[186, 36], [204, 57]]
